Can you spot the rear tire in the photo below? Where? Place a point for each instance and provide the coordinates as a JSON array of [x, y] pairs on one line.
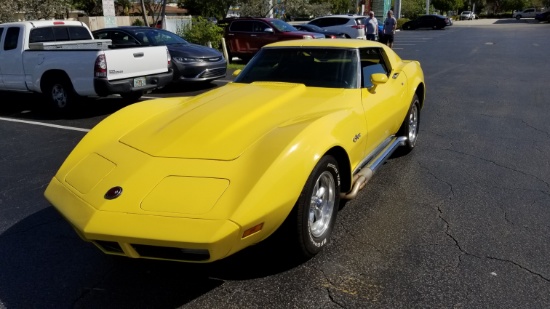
[[409, 127], [60, 94], [315, 212]]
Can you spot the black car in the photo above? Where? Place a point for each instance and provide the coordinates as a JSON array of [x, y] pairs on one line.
[[190, 62], [312, 28], [544, 16], [428, 21]]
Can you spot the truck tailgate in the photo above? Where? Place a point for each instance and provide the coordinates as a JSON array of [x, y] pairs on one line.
[[136, 62]]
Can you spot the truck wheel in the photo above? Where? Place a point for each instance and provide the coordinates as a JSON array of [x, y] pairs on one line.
[[316, 209], [61, 94], [132, 96]]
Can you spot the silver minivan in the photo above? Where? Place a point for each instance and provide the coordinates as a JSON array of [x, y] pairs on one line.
[[352, 25]]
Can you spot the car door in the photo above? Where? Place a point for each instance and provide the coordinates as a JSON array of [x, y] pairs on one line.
[[426, 22], [238, 36], [11, 61], [1, 40], [383, 104], [263, 34]]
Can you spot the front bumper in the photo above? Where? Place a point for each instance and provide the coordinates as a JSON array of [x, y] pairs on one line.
[[142, 235], [104, 87], [199, 72]]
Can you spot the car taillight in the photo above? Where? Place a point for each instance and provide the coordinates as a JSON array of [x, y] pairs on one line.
[[358, 27], [169, 59], [100, 67], [332, 36]]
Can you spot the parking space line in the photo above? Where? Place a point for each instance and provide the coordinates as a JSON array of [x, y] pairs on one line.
[[44, 124]]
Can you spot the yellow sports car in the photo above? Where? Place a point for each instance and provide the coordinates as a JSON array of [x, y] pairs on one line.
[[304, 125]]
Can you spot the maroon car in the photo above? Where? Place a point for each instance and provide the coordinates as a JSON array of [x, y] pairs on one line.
[[244, 36]]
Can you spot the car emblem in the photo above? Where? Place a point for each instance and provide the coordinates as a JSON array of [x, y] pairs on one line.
[[113, 193]]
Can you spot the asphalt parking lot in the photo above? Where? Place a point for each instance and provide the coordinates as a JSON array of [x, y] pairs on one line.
[[461, 222]]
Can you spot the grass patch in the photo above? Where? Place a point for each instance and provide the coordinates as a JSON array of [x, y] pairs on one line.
[[235, 66]]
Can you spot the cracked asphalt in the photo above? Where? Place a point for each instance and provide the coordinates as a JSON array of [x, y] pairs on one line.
[[461, 222]]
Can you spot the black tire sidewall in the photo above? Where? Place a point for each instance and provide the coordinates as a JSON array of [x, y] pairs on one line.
[[404, 130], [309, 244], [69, 93]]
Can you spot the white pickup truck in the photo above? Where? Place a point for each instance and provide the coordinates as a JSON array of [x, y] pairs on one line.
[[61, 60]]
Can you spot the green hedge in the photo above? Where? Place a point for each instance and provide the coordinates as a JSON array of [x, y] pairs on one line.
[[401, 21], [202, 31]]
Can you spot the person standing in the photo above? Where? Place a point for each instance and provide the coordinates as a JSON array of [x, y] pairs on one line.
[[372, 27], [390, 24]]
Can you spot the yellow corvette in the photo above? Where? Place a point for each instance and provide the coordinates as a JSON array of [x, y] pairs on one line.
[[304, 125]]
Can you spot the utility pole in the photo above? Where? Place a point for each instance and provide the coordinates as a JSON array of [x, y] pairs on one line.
[[427, 7], [397, 9]]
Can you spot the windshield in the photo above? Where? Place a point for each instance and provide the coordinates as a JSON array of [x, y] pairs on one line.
[[158, 37], [313, 67], [283, 26]]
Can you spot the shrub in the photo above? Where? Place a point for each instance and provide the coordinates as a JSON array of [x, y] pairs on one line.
[[401, 21], [202, 31], [138, 22]]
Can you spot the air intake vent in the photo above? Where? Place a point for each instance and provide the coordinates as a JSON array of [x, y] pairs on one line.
[[170, 253]]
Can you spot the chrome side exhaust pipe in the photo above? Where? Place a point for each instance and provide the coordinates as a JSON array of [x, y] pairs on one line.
[[366, 172]]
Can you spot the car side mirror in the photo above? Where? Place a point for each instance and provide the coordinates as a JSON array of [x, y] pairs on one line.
[[270, 30], [377, 79], [236, 72]]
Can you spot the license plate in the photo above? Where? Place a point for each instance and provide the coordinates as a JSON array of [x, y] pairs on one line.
[[139, 82]]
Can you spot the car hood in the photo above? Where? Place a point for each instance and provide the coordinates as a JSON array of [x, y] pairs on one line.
[[223, 123], [192, 50]]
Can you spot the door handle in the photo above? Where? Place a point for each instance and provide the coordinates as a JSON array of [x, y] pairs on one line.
[[395, 75], [138, 55]]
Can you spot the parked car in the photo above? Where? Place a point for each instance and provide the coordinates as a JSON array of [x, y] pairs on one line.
[[544, 16], [61, 60], [244, 36], [526, 13], [352, 25], [190, 62], [427, 21], [305, 124], [312, 28], [467, 15]]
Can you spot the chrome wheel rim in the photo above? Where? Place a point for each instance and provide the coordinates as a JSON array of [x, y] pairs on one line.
[[413, 123], [59, 96], [322, 204]]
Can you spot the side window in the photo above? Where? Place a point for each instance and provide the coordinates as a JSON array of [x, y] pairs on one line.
[[260, 26], [12, 38], [1, 32], [241, 26], [101, 35], [372, 62]]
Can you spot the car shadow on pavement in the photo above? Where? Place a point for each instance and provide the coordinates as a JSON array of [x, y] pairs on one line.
[[35, 107], [46, 265], [185, 87]]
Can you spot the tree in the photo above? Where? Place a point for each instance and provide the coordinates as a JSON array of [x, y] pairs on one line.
[[211, 8], [90, 7], [284, 8], [413, 8], [447, 5], [7, 11]]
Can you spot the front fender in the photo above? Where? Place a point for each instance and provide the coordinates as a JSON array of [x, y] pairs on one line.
[[276, 168]]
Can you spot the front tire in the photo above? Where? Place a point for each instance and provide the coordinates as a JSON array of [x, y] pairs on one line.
[[316, 209], [409, 127]]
